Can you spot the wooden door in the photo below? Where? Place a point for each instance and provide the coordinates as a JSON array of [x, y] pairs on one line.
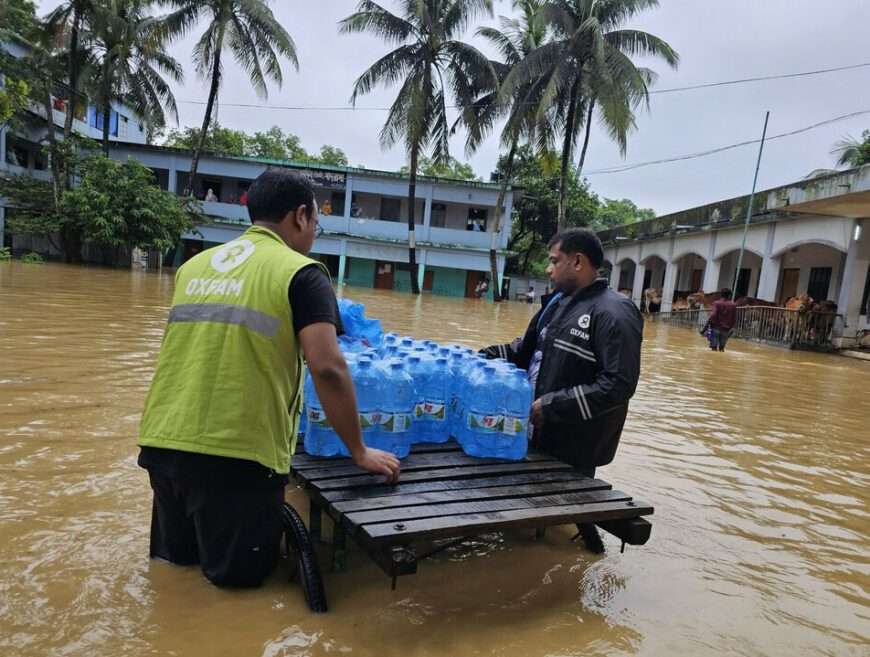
[[697, 280], [472, 278], [384, 275], [789, 284], [428, 280]]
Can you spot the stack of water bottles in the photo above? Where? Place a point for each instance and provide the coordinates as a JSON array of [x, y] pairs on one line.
[[416, 391]]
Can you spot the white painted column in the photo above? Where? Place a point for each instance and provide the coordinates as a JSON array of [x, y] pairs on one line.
[[615, 273], [852, 287], [342, 263], [769, 277], [637, 288], [668, 286], [427, 213], [172, 182], [348, 202], [711, 275], [421, 267]]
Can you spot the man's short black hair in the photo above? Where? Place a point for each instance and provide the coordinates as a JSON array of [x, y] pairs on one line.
[[580, 240], [276, 192], [726, 293]]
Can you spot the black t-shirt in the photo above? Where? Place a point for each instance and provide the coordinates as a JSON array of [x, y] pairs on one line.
[[311, 301]]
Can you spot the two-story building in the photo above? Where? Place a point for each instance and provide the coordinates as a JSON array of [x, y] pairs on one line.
[[811, 236]]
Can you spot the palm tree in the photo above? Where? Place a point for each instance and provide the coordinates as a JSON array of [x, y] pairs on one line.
[[69, 20], [431, 64], [514, 41], [588, 62], [853, 152], [130, 59], [254, 37]]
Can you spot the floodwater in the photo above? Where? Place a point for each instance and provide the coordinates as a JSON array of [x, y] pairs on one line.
[[756, 461]]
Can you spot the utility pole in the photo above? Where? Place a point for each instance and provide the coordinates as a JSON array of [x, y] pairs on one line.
[[749, 209]]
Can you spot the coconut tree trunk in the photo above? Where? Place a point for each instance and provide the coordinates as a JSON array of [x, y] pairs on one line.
[[567, 143], [72, 74], [502, 192], [412, 201], [107, 114], [70, 236], [206, 120], [586, 138]]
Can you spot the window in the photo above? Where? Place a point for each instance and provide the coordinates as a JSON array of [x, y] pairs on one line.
[[338, 203], [391, 209], [439, 215], [123, 125], [16, 154], [476, 219], [820, 281]]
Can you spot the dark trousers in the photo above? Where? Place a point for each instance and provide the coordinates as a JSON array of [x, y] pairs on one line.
[[718, 338], [234, 534]]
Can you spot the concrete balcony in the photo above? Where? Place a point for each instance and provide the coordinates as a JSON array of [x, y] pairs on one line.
[[230, 212]]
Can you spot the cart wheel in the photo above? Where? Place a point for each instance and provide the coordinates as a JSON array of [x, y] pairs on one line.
[[299, 542]]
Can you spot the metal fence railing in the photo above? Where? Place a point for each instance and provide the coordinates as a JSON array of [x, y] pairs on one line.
[[792, 328]]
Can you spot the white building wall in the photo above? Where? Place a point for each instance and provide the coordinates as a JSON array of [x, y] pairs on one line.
[[832, 231]]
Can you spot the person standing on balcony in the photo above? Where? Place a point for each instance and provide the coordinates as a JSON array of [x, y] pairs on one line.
[[722, 320], [210, 196], [582, 354], [222, 414]]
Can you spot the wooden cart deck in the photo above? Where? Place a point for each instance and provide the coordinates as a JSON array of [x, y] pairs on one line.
[[445, 494]]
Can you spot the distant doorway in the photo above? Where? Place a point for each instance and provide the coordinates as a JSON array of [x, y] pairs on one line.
[[384, 273], [789, 284]]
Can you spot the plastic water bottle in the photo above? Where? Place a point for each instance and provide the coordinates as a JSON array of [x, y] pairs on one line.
[[513, 441], [369, 385], [454, 366], [397, 410], [483, 418], [320, 438], [471, 374], [432, 392]]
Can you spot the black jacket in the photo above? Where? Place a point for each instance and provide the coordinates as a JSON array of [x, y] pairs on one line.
[[588, 372]]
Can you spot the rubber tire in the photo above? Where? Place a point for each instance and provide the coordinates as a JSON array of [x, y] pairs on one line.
[[299, 541]]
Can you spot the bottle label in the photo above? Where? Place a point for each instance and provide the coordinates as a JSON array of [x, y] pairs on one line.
[[317, 418], [514, 426], [431, 410], [369, 421], [485, 423], [395, 422]]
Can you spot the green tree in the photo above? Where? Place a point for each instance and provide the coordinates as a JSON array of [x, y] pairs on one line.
[[517, 38], [114, 205], [535, 215], [275, 144], [588, 61], [431, 64], [452, 168], [219, 140], [617, 212], [129, 47], [332, 155], [853, 152], [17, 21], [254, 37]]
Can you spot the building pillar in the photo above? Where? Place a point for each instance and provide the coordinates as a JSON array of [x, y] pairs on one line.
[[711, 275], [421, 268], [668, 286], [172, 180], [852, 288], [637, 288], [342, 263], [348, 202], [615, 273], [768, 278]]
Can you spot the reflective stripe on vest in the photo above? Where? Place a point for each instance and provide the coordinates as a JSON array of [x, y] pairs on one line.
[[226, 314]]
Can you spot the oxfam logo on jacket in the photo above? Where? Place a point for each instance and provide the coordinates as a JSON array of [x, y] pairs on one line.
[[583, 322], [231, 255]]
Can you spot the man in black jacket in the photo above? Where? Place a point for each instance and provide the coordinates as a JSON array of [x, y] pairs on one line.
[[582, 352]]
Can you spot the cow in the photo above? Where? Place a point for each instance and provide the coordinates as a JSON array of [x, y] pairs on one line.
[[796, 325], [821, 320], [680, 304], [626, 292], [652, 300], [752, 301], [699, 299]]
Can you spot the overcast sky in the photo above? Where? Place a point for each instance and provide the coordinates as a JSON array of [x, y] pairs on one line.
[[716, 41]]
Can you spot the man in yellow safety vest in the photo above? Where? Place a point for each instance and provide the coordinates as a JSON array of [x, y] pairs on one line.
[[222, 414]]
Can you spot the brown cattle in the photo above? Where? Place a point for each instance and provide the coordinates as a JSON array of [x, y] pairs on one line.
[[752, 301], [626, 292], [822, 315], [680, 304], [652, 299], [703, 300]]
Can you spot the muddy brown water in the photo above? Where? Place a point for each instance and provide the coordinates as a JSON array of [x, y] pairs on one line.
[[756, 461]]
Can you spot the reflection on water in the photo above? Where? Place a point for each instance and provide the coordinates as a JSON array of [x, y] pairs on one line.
[[755, 460]]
